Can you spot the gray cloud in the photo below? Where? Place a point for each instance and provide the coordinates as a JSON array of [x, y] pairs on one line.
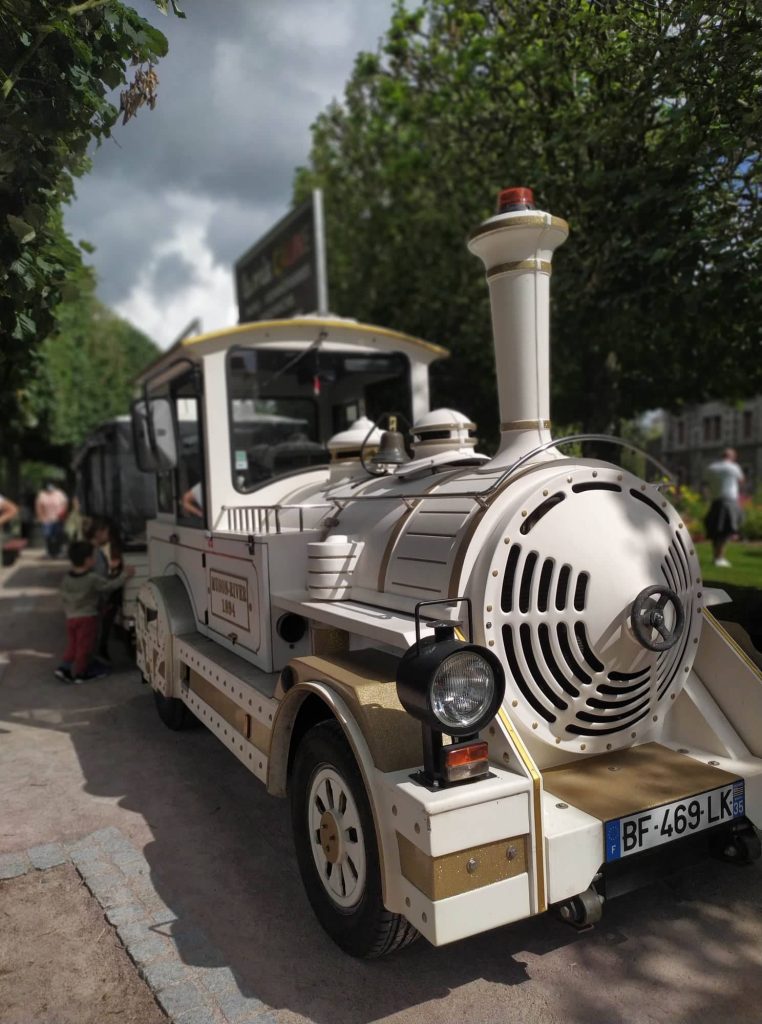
[[242, 83], [170, 274]]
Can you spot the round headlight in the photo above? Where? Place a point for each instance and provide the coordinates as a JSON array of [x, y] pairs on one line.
[[462, 690]]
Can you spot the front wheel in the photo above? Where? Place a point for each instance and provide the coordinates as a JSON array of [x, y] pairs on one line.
[[336, 847]]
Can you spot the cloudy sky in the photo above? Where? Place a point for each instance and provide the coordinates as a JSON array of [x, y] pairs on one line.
[[180, 192]]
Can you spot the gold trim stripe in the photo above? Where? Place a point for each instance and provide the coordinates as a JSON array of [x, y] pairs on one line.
[[444, 442], [525, 425], [314, 321], [442, 426], [509, 268], [530, 766]]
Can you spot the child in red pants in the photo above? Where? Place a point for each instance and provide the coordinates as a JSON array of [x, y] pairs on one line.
[[80, 591]]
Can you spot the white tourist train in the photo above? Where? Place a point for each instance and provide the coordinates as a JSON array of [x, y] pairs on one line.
[[488, 686]]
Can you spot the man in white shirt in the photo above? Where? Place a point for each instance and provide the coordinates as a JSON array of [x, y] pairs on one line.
[[724, 517], [50, 509]]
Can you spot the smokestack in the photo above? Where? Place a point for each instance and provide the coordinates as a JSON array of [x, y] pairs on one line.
[[516, 247]]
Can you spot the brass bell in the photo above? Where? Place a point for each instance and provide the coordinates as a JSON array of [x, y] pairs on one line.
[[391, 450]]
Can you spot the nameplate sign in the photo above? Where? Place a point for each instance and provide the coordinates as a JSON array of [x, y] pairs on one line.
[[229, 598]]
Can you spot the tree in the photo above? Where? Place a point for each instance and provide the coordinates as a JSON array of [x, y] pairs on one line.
[[57, 65], [88, 365], [84, 376], [637, 120]]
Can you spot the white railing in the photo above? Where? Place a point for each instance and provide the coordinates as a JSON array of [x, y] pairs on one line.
[[270, 519]]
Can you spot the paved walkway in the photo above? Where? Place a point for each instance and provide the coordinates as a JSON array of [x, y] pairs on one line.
[[210, 849]]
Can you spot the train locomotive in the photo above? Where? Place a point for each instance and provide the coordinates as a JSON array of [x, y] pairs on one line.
[[487, 686]]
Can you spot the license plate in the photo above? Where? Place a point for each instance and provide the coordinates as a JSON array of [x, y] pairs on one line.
[[642, 831]]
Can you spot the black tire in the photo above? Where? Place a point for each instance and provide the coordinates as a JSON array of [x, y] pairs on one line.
[[173, 712], [366, 928]]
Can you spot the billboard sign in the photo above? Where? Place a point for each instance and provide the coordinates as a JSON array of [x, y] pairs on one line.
[[283, 274]]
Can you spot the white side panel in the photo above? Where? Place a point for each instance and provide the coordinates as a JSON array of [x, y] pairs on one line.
[[190, 554], [454, 819], [217, 456], [468, 913], [574, 846], [733, 681], [697, 720]]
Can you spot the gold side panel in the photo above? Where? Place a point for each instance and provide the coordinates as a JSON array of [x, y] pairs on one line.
[[226, 708], [449, 875], [626, 781], [329, 640], [367, 681]]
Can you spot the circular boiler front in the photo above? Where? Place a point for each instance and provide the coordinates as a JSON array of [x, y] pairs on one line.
[[588, 547]]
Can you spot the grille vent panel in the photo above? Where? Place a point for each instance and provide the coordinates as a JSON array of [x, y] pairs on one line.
[[542, 510], [570, 652]]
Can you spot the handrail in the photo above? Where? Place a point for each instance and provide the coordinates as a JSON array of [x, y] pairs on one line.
[[261, 518], [574, 438], [506, 474], [257, 518]]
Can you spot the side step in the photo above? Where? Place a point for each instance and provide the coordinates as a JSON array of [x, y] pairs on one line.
[[230, 696]]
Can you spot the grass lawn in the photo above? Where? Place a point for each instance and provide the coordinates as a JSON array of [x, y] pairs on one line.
[[742, 581], [745, 565]]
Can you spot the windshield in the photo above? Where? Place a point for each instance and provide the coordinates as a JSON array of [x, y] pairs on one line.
[[284, 408]]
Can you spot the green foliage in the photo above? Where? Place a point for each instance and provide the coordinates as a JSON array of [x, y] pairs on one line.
[[87, 367], [638, 120], [692, 507], [57, 65], [752, 524]]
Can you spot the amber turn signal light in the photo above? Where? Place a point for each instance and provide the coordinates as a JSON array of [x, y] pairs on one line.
[[465, 761]]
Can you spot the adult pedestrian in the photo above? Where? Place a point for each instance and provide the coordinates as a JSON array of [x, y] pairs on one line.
[[50, 509], [724, 517], [8, 509]]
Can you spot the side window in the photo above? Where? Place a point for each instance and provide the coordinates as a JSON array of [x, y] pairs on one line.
[[180, 491], [189, 472], [165, 492]]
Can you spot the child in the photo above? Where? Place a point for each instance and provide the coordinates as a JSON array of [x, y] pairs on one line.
[[80, 591], [108, 564]]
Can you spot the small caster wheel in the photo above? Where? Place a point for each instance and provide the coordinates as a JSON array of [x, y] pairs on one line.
[[583, 910], [740, 846]]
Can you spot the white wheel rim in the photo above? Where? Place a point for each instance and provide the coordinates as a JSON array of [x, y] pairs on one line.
[[336, 838]]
